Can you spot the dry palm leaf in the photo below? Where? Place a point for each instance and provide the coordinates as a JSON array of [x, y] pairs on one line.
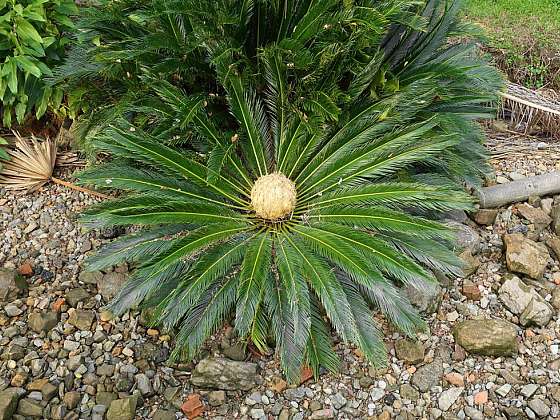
[[529, 109], [31, 166]]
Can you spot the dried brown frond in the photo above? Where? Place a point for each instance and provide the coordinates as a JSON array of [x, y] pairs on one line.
[[530, 110], [31, 164]]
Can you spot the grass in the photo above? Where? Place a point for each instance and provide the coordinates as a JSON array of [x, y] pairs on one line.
[[523, 36]]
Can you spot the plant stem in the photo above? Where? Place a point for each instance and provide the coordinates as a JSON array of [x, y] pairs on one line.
[[77, 188]]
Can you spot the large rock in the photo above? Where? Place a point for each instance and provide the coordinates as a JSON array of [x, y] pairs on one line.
[[488, 337], [123, 409], [523, 300], [10, 285], [42, 321], [526, 256], [8, 402], [220, 373], [426, 299], [110, 284]]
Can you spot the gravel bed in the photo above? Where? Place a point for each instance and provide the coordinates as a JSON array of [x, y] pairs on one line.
[[62, 356]]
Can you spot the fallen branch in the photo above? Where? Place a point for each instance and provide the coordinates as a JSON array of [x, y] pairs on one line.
[[517, 191]]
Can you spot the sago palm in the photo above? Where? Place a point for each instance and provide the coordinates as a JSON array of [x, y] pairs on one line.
[[335, 53], [286, 226]]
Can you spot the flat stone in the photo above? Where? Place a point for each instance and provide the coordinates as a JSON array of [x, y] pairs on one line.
[[81, 319], [489, 337], [503, 390], [448, 397], [409, 351], [528, 390], [216, 398], [471, 290], [428, 376], [539, 407], [10, 285], [29, 408], [90, 277], [12, 310], [427, 299], [8, 402], [485, 217], [526, 256], [110, 284], [164, 415], [220, 373], [42, 321], [75, 296], [538, 312], [123, 409], [534, 215], [72, 399], [515, 294]]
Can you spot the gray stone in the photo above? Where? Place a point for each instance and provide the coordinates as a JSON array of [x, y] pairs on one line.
[[515, 294], [528, 390], [220, 373], [75, 296], [295, 394], [428, 376], [489, 337], [470, 262], [143, 384], [29, 408], [12, 310], [110, 284], [539, 407], [526, 256], [8, 402], [427, 299], [42, 321], [503, 390], [338, 400], [10, 285], [448, 397], [538, 312], [473, 413], [409, 351], [123, 409], [465, 237], [257, 413]]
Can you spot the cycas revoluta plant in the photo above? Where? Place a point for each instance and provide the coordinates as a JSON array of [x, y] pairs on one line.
[[311, 168], [334, 53]]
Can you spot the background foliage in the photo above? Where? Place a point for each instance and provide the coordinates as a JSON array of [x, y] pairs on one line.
[[32, 41]]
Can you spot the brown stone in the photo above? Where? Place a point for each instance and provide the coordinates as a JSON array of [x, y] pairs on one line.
[[192, 407], [488, 337], [534, 215], [25, 269], [485, 217], [525, 256], [471, 291]]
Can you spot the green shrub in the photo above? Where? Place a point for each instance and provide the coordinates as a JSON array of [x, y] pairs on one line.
[[32, 41], [286, 169]]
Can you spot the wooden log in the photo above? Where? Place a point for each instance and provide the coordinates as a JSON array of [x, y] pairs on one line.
[[516, 191]]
